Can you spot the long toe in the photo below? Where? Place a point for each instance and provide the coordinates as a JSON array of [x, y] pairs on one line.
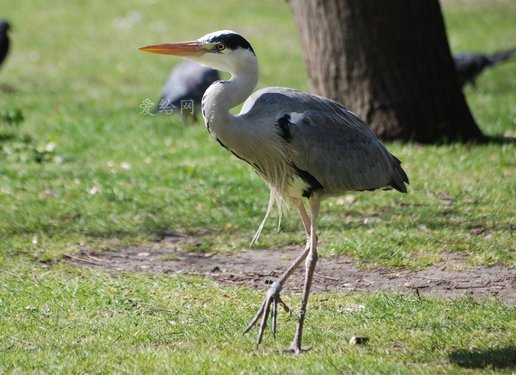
[[256, 317], [263, 323], [269, 307]]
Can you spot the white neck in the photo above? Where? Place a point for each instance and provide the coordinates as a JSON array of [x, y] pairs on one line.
[[246, 136], [221, 96]]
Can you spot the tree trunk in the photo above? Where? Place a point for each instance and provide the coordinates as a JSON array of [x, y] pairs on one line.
[[388, 61]]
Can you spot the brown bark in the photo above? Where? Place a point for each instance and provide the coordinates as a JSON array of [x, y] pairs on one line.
[[389, 61]]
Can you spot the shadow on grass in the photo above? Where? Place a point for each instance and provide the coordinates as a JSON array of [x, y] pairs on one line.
[[497, 358], [499, 140]]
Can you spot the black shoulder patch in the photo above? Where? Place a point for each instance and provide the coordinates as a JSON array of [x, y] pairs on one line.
[[233, 41], [284, 125]]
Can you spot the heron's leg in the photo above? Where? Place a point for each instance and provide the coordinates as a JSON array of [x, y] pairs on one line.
[[311, 261], [273, 294]]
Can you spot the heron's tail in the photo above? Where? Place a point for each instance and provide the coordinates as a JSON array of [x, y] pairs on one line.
[[399, 177], [497, 57]]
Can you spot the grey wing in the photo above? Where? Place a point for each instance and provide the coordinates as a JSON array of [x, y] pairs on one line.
[[326, 141], [342, 153]]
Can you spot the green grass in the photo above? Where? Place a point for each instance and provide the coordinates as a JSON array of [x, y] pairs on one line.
[[74, 320], [80, 164]]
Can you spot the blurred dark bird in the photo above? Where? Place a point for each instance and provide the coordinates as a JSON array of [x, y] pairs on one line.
[[4, 39], [470, 65], [184, 89]]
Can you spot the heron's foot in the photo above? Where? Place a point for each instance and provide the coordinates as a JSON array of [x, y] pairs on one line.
[[271, 298], [294, 350]]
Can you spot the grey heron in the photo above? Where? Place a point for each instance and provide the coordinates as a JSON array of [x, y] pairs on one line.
[[187, 82], [469, 65], [4, 39], [304, 146]]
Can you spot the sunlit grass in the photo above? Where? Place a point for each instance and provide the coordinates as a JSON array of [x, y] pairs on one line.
[[80, 165], [74, 320]]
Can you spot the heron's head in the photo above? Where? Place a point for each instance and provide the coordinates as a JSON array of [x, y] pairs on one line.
[[222, 50]]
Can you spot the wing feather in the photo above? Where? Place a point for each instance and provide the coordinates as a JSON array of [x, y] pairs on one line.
[[328, 141], [303, 144]]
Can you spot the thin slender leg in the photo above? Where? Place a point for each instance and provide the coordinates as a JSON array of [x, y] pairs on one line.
[[311, 262], [273, 294], [304, 217]]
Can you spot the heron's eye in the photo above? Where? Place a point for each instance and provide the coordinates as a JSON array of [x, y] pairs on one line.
[[221, 47]]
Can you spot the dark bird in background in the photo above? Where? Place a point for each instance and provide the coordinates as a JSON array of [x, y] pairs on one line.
[[4, 39], [470, 65], [187, 82]]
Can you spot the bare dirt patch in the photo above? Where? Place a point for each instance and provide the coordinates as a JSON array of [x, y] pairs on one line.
[[258, 268]]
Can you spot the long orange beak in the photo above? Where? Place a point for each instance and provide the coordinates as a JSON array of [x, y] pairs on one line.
[[193, 48]]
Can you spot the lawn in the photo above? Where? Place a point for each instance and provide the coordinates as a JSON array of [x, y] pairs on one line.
[[81, 165]]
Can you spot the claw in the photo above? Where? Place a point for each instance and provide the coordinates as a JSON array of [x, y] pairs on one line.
[[272, 298]]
